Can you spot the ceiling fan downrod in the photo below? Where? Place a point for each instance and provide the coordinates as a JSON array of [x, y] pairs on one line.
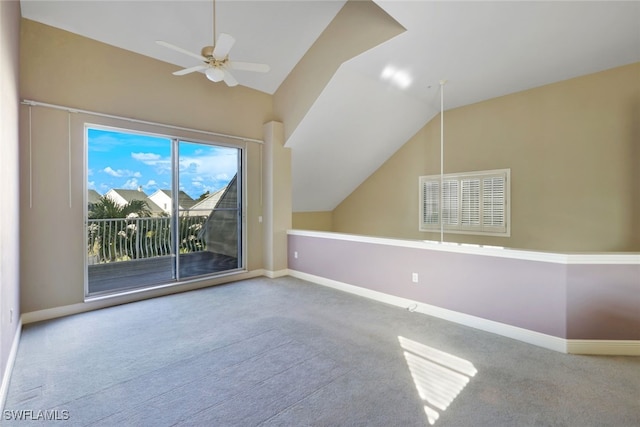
[[214, 23]]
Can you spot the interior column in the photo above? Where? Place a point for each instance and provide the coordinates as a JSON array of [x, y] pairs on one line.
[[276, 182]]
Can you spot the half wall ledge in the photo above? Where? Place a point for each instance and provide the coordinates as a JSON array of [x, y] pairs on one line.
[[573, 303]]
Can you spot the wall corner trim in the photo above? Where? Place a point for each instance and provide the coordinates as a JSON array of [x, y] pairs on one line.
[[6, 375], [275, 274]]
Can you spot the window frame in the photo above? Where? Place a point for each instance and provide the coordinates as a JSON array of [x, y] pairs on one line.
[[468, 218]]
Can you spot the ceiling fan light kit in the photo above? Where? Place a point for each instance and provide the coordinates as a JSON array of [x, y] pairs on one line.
[[214, 74], [216, 58]]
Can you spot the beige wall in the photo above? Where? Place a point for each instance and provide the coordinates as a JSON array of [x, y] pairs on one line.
[[574, 152], [318, 221], [62, 68], [9, 217]]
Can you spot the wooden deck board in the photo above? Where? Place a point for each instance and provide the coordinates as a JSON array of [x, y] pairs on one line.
[[126, 275]]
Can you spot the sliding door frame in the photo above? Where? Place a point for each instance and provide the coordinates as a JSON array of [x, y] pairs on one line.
[[241, 175]]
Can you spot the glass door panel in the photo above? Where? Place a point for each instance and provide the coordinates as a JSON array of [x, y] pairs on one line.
[[209, 209], [129, 240]]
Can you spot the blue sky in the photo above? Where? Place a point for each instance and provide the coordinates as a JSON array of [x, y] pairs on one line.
[[129, 160]]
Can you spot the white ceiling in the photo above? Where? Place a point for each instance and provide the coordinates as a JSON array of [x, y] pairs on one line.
[[483, 49], [277, 33]]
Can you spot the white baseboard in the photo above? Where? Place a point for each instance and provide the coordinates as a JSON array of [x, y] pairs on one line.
[[591, 347], [6, 375], [604, 347], [525, 335], [65, 310], [275, 274], [111, 300], [514, 332]]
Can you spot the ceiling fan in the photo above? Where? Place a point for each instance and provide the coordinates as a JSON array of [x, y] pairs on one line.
[[216, 58]]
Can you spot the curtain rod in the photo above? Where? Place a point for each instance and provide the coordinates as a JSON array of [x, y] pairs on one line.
[[144, 122]]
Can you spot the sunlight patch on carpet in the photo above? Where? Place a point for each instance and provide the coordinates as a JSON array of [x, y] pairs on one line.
[[439, 377]]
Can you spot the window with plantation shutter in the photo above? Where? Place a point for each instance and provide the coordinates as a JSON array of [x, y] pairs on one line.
[[470, 203]]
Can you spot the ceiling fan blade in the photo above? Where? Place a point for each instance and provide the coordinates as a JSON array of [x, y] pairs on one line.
[[189, 70], [229, 79], [181, 50], [249, 66], [223, 46]]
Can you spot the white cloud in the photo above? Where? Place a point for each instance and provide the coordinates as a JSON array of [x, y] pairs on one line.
[[161, 164], [146, 158], [131, 184], [111, 172], [214, 167], [121, 172]]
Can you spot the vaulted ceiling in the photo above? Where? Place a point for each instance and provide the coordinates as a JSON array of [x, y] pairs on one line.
[[370, 104]]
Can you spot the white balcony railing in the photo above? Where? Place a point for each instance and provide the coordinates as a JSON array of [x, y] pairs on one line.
[[125, 239]]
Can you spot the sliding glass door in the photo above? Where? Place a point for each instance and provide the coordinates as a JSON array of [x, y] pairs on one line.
[[160, 210]]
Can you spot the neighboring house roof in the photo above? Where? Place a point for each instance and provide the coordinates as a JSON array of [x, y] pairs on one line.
[[93, 196], [206, 205], [226, 197], [184, 200], [130, 195], [229, 198]]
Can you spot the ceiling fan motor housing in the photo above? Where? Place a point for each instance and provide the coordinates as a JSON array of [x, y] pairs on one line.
[[207, 51]]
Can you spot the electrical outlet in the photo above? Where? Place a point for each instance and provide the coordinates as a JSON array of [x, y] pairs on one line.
[[11, 316], [295, 254], [414, 277]]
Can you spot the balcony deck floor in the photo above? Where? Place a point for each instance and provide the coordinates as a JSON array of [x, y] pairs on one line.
[[127, 275]]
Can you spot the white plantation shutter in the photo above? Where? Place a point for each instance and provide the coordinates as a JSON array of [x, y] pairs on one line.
[[472, 203], [493, 202], [430, 203], [450, 199]]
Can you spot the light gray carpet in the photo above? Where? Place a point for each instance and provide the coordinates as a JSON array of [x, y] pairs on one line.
[[285, 352]]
